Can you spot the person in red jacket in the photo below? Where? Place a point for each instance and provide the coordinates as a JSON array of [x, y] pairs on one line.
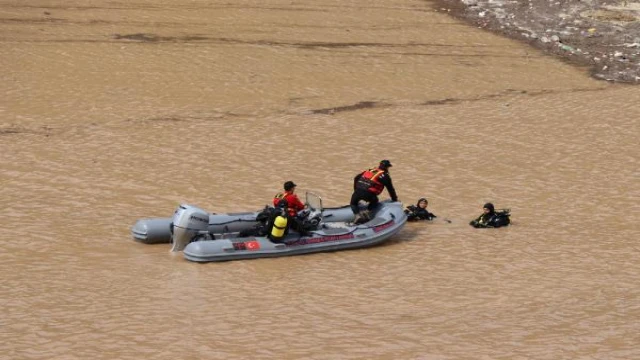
[[367, 186], [293, 202]]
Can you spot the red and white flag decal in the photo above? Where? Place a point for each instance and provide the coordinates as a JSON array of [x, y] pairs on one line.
[[252, 245]]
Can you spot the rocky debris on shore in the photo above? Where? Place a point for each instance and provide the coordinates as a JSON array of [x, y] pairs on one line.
[[604, 35]]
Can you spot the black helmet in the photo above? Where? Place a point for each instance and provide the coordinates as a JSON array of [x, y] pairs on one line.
[[489, 206], [385, 164], [289, 185], [421, 200]]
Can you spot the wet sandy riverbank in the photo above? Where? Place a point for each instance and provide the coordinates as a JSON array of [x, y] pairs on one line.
[[603, 36]]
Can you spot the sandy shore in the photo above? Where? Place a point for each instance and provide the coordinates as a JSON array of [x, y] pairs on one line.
[[605, 36]]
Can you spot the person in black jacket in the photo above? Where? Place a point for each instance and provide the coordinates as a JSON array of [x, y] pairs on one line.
[[491, 218], [367, 185], [419, 211]]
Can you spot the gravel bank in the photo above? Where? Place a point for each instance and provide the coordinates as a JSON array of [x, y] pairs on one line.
[[602, 35]]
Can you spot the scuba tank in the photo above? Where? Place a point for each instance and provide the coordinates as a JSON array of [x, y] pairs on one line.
[[279, 228], [279, 220], [502, 218]]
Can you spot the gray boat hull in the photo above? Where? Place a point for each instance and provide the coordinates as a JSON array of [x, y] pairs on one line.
[[158, 230], [389, 219]]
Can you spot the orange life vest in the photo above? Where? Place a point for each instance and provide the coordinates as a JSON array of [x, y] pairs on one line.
[[283, 196], [370, 181]]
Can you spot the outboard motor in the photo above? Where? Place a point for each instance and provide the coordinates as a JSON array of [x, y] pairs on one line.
[[188, 222]]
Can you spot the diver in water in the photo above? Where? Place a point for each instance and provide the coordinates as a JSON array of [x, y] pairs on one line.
[[491, 218], [419, 211]]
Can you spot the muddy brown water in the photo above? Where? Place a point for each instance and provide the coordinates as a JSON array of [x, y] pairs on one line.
[[115, 111]]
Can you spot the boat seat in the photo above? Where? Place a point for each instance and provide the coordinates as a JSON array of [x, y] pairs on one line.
[[376, 221], [240, 213], [335, 231]]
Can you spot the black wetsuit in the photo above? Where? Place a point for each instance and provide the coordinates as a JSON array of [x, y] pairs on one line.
[[415, 213], [492, 219]]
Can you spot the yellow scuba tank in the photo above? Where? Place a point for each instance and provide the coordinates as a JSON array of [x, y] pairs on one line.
[[279, 226]]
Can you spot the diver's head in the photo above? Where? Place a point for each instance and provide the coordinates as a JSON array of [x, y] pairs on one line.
[[488, 208], [422, 203]]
